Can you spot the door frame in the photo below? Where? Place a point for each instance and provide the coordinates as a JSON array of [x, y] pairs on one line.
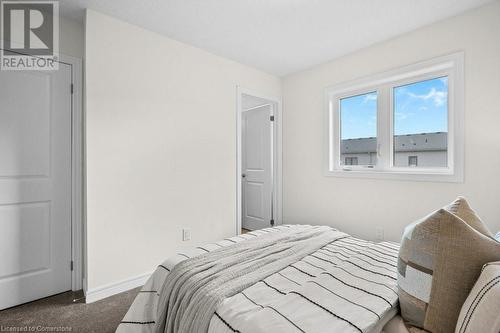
[[77, 159], [277, 155], [77, 168]]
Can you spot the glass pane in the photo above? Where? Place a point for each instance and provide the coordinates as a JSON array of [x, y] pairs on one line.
[[421, 124], [358, 130]]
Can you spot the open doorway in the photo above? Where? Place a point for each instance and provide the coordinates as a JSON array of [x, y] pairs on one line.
[[259, 161]]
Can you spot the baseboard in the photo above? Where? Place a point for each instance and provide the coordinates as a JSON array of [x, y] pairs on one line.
[[96, 294]]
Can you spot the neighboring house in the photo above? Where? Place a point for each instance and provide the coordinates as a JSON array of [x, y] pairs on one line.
[[411, 150]]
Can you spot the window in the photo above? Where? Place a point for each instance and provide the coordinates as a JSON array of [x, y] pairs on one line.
[[402, 124], [351, 161], [412, 161], [420, 113], [358, 129]]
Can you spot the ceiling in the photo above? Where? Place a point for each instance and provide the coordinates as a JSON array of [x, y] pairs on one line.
[[277, 36]]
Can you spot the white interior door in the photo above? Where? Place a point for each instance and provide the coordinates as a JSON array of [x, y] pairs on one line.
[[35, 184], [257, 170]]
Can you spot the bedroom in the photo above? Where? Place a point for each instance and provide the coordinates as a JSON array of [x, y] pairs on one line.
[[106, 183]]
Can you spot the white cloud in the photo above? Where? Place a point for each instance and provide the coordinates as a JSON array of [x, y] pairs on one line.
[[403, 115], [369, 98], [437, 96]]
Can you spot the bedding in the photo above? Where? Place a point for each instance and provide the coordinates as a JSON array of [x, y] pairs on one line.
[[342, 285], [481, 310]]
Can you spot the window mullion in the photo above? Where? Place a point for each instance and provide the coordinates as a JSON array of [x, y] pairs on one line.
[[383, 128]]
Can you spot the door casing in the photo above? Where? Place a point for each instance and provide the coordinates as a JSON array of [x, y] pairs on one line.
[[77, 168]]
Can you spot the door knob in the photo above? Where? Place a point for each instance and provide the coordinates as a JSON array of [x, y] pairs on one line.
[[243, 175]]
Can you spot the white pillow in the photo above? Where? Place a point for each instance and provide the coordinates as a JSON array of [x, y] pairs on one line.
[[480, 312]]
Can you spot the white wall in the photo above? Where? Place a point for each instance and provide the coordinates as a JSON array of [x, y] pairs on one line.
[[71, 37], [359, 206], [161, 150], [430, 159]]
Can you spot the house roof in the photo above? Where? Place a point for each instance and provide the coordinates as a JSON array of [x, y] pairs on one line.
[[437, 141]]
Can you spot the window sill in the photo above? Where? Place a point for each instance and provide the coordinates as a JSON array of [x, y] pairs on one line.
[[404, 174]]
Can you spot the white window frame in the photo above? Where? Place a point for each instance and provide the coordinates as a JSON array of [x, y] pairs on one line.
[[383, 84]]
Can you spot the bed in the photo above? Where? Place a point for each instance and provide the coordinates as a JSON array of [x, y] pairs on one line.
[[346, 285]]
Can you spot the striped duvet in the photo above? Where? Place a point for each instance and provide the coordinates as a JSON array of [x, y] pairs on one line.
[[348, 285]]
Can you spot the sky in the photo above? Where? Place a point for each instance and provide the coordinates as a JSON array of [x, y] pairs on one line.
[[418, 108]]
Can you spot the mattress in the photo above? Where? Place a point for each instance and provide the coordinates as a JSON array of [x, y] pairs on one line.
[[360, 295]]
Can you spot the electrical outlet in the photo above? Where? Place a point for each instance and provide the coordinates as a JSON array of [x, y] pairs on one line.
[[186, 234], [379, 234]]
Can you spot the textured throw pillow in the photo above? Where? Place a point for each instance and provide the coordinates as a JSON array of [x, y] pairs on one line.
[[460, 207], [481, 310], [440, 259]]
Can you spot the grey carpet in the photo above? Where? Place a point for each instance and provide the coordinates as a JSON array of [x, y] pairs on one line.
[[60, 311]]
